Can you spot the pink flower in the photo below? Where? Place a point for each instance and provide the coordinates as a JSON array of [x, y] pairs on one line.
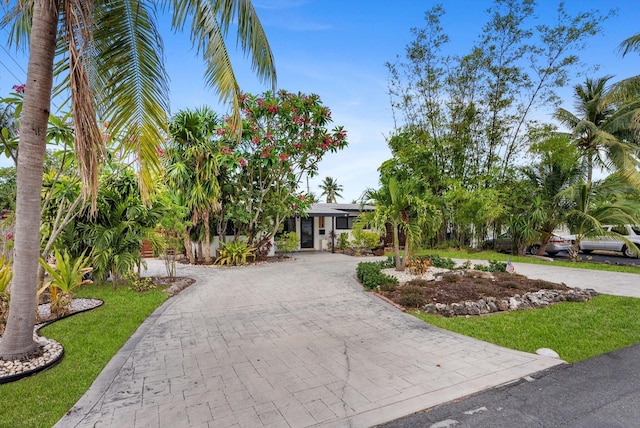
[[160, 151], [283, 157], [260, 102], [242, 162], [297, 145], [272, 109], [255, 140], [9, 236], [221, 131], [19, 88], [226, 151]]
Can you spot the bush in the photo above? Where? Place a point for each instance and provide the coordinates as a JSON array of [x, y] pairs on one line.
[[412, 297], [419, 265], [140, 285], [370, 275], [494, 266], [343, 241], [365, 239], [234, 253], [440, 262], [286, 243]]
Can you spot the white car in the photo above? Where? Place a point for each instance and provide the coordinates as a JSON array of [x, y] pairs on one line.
[[611, 243]]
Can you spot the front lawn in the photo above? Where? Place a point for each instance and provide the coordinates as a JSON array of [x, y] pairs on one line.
[[493, 255], [576, 331], [90, 340]]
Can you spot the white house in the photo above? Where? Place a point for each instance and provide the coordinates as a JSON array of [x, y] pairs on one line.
[[315, 229]]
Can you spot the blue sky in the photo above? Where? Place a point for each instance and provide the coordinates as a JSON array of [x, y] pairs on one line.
[[338, 48]]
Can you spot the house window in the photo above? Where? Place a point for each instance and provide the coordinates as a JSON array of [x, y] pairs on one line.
[[289, 225], [345, 222], [320, 222]]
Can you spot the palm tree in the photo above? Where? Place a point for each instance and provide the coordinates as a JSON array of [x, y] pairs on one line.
[[601, 203], [605, 126], [113, 55], [331, 189], [557, 170], [192, 167], [401, 205]]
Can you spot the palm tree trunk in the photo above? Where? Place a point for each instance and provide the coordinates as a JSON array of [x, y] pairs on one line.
[[188, 248], [396, 247], [207, 240], [18, 341]]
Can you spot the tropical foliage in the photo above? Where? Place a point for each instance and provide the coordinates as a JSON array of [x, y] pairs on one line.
[[109, 56], [284, 138], [331, 189], [65, 275]]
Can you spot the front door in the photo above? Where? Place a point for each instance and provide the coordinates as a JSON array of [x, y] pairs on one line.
[[306, 232]]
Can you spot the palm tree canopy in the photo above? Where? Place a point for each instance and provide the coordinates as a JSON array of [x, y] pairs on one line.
[[605, 125], [108, 54], [331, 189], [114, 67]]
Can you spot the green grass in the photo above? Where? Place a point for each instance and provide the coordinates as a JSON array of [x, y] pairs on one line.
[[90, 340], [492, 255], [576, 331]]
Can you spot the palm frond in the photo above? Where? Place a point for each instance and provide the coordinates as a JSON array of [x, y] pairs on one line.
[[89, 146], [210, 24], [131, 80], [630, 44]]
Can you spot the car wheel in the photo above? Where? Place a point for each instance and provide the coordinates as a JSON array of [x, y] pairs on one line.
[[587, 251], [552, 253], [534, 249], [629, 252]]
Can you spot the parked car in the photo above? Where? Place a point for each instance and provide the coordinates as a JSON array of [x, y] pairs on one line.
[[611, 243], [504, 243]]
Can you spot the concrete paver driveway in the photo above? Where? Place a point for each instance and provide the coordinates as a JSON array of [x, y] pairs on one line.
[[290, 344]]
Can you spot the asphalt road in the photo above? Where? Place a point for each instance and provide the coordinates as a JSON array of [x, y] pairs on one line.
[[608, 257], [600, 392]]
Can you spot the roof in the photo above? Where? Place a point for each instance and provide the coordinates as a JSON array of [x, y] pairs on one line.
[[337, 210]]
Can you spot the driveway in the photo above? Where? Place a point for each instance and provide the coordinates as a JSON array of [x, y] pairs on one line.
[[290, 344]]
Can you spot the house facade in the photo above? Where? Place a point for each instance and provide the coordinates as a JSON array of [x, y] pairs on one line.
[[315, 229]]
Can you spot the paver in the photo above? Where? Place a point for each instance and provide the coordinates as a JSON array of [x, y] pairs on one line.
[[296, 343]]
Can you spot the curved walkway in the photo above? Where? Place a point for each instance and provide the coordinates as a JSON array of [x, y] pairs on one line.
[[291, 344]]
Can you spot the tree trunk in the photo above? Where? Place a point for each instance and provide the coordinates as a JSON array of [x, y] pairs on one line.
[[207, 240], [17, 342], [396, 247], [188, 247]]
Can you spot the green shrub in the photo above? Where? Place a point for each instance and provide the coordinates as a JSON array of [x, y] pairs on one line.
[[365, 239], [140, 285], [67, 275], [343, 241], [494, 266], [370, 275], [234, 253], [286, 243], [441, 262]]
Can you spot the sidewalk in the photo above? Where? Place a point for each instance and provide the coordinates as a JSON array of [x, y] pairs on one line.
[[290, 344]]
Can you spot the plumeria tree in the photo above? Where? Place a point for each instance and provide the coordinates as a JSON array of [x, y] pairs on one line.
[[285, 136]]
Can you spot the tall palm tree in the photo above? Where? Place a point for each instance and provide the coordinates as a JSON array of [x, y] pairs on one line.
[[605, 126], [331, 189], [192, 167], [110, 56]]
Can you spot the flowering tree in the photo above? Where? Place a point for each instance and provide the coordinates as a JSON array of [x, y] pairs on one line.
[[284, 138]]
